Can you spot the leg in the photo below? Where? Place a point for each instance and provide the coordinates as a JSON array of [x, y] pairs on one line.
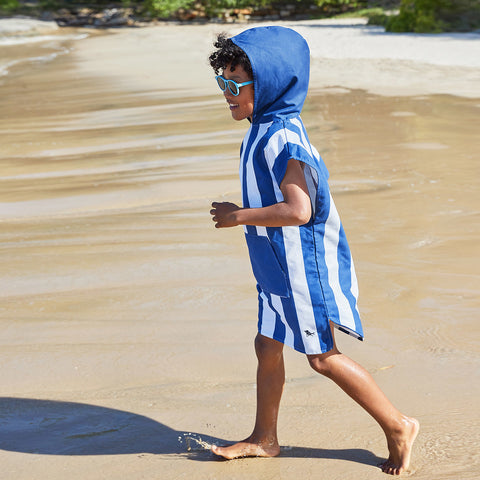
[[399, 429], [263, 442]]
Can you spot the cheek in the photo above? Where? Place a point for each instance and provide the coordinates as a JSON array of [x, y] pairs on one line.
[[250, 100]]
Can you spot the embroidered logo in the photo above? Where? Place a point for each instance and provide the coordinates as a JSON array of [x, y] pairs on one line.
[[308, 333]]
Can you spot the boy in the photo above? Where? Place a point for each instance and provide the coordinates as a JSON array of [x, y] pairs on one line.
[[300, 257]]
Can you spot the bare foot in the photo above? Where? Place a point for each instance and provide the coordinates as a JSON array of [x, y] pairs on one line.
[[400, 447], [248, 448]]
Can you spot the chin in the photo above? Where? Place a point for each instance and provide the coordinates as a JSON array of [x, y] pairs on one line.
[[238, 116]]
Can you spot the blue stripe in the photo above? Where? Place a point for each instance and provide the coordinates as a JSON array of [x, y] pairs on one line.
[[281, 163], [280, 330], [323, 201], [315, 288], [246, 152], [345, 275], [275, 235], [292, 321], [328, 295], [264, 179], [260, 310]]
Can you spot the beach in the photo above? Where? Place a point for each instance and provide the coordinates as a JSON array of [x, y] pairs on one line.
[[128, 320]]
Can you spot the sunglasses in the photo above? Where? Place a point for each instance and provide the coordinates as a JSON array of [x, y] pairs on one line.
[[233, 87]]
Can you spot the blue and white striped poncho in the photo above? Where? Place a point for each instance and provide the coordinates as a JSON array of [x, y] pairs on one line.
[[305, 275]]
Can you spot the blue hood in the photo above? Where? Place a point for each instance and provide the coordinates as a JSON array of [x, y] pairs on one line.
[[280, 60]]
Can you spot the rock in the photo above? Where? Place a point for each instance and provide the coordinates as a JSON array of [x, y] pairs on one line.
[[23, 26], [191, 14], [108, 18]]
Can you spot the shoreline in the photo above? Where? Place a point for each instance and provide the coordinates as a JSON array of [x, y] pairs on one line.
[[345, 53]]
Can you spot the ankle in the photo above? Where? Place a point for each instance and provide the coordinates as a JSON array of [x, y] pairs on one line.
[[399, 426], [263, 439]]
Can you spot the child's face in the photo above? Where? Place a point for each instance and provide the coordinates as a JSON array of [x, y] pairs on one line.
[[241, 106]]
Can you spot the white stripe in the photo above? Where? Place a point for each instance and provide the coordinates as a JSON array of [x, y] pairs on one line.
[[331, 238], [240, 168], [300, 290], [261, 231], [305, 143], [311, 175], [276, 143], [315, 153], [277, 304], [274, 146], [253, 193], [242, 159], [354, 282], [268, 318]]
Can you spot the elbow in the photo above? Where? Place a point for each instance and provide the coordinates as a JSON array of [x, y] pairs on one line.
[[302, 216]]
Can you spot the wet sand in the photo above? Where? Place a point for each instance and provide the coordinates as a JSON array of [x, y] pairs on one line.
[[128, 320]]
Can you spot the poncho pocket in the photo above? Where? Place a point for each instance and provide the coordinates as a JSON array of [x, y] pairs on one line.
[[266, 268]]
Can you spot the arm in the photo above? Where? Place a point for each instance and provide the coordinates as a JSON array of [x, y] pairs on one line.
[[295, 209]]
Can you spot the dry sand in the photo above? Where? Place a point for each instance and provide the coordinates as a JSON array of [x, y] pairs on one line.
[[127, 319]]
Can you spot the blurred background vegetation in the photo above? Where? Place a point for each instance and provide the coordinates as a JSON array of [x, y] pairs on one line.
[[420, 16], [432, 16]]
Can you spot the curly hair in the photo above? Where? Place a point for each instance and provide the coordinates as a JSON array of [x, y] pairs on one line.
[[229, 53]]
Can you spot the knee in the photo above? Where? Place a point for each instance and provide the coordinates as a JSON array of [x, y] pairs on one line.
[[322, 363], [318, 364], [266, 348]]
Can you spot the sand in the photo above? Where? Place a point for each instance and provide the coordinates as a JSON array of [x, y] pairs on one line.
[[128, 320]]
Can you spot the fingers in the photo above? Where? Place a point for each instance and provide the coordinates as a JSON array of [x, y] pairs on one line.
[[223, 214], [213, 212]]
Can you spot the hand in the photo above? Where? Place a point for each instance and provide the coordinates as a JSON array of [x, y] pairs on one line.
[[223, 214]]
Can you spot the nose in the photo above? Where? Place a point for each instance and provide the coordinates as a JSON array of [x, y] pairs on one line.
[[227, 94]]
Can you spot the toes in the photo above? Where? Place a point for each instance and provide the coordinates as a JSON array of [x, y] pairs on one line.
[[386, 464], [218, 451], [389, 468]]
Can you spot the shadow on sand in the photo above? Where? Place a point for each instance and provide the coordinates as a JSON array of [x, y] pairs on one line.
[[50, 427]]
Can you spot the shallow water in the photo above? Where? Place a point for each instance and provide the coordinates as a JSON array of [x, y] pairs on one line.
[[110, 260]]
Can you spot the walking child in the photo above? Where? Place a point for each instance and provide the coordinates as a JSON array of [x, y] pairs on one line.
[[298, 250]]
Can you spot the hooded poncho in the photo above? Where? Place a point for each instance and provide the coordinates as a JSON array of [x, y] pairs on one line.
[[305, 275]]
